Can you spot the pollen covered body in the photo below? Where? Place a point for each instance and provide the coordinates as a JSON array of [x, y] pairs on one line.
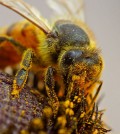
[[67, 53]]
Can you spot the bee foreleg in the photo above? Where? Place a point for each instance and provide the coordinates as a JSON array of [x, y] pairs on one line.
[[49, 85], [22, 74], [95, 96], [15, 43]]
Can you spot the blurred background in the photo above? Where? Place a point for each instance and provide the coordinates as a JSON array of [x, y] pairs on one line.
[[103, 17]]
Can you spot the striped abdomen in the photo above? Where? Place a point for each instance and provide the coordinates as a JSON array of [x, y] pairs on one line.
[[22, 32]]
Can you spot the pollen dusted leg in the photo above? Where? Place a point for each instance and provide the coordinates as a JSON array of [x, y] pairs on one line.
[[49, 85], [22, 74], [95, 96]]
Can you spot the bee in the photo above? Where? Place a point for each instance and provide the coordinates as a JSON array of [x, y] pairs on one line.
[[67, 53]]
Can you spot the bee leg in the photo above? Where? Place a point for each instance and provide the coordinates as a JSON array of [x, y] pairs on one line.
[[95, 96], [15, 43], [49, 85], [22, 74]]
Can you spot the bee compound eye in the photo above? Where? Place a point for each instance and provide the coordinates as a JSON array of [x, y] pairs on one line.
[[70, 57], [71, 34]]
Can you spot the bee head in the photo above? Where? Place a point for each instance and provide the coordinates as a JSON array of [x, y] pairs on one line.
[[65, 34], [83, 66]]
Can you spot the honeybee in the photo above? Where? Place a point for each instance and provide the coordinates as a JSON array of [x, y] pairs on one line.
[[67, 53]]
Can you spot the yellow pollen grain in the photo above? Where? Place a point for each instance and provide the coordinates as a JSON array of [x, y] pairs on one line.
[[67, 103], [82, 115], [62, 121], [71, 105], [23, 113], [75, 97], [67, 110], [71, 112], [38, 122], [62, 131], [79, 100], [24, 132], [48, 111], [75, 77]]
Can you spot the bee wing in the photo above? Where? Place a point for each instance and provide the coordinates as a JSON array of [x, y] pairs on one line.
[[72, 9], [27, 11]]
